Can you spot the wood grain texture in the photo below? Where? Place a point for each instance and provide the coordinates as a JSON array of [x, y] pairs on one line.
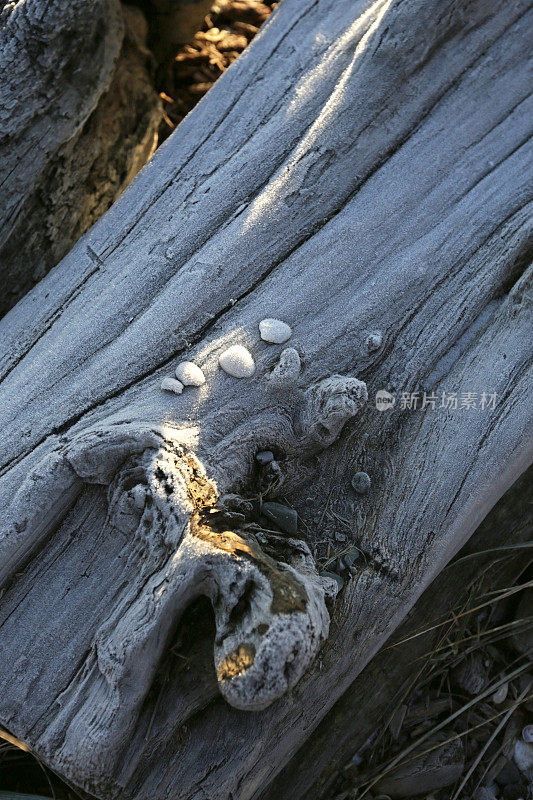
[[361, 168]]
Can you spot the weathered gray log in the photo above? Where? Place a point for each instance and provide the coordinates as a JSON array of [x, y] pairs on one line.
[[375, 194], [367, 705], [78, 119]]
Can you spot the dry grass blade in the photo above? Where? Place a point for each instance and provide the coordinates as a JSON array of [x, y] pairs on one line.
[[514, 590], [490, 551], [13, 741], [413, 682], [505, 712], [402, 756], [465, 613], [488, 636]]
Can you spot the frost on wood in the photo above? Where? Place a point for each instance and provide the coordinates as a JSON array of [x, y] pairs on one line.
[[270, 616], [315, 196], [87, 125], [329, 405]]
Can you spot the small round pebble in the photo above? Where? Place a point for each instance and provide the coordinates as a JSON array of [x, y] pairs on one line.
[[523, 757], [274, 331], [361, 482], [237, 361], [374, 341], [500, 694], [527, 734], [190, 374], [172, 385], [264, 457]]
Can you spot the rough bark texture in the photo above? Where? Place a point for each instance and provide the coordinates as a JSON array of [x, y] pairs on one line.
[[374, 193], [79, 119]]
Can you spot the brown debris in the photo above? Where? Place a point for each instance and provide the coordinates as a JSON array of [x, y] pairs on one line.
[[7, 737], [228, 29]]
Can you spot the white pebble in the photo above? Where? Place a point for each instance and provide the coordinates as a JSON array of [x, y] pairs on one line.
[[172, 385], [237, 361], [190, 374], [523, 757], [274, 331], [500, 694], [139, 495]]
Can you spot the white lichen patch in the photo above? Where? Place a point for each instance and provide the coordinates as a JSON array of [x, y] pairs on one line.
[[190, 374], [237, 361], [172, 385], [274, 331]]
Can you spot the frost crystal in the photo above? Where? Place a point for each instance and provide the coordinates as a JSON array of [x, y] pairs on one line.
[[190, 374], [237, 361], [274, 331]]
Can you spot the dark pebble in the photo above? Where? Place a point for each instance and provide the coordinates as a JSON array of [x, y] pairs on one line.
[[351, 556], [326, 574], [284, 517], [264, 457], [361, 482], [509, 774]]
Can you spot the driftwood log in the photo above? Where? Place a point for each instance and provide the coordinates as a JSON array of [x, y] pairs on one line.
[[78, 119], [374, 191]]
